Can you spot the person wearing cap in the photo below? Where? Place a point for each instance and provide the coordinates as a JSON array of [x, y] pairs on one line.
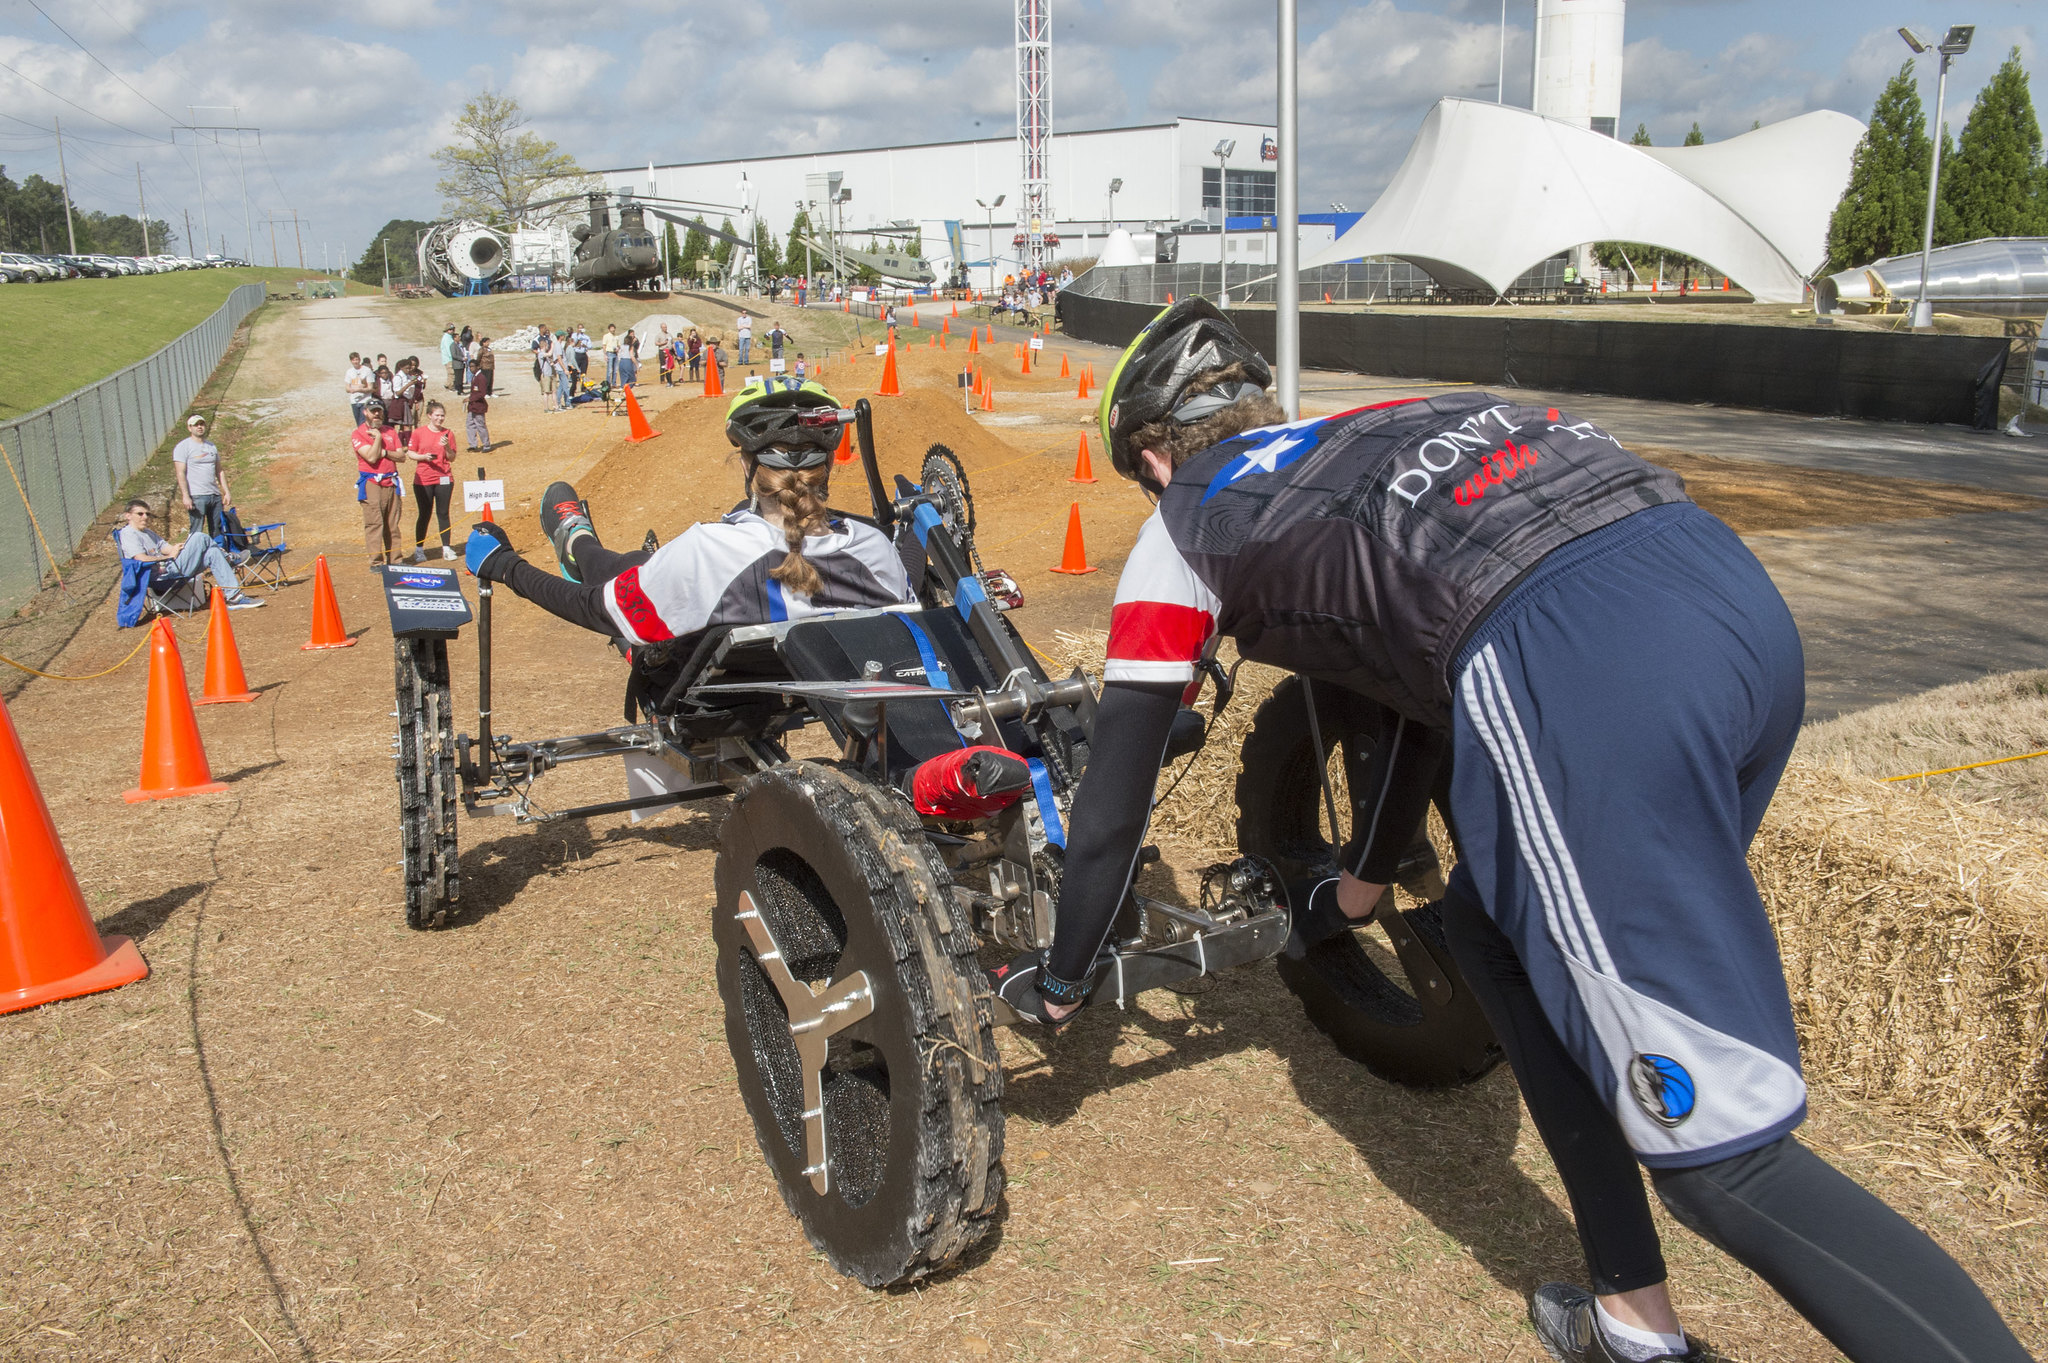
[[779, 555], [202, 482], [1608, 686], [378, 485]]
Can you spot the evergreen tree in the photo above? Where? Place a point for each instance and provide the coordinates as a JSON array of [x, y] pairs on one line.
[[1993, 186], [722, 251], [1882, 207], [793, 254], [1695, 138], [767, 260], [671, 252], [401, 235], [1641, 137], [695, 247]]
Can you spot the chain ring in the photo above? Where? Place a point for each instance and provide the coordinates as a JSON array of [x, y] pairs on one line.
[[944, 478]]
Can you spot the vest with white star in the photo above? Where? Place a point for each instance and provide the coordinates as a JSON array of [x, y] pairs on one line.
[[1364, 548]]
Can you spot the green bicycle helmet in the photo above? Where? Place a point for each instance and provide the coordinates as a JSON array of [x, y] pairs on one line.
[[765, 422], [1184, 340]]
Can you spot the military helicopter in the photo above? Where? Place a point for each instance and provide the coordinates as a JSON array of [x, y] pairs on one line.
[[897, 264], [628, 255]]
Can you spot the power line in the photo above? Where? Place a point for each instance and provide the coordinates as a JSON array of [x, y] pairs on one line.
[[271, 173], [95, 56], [74, 103]]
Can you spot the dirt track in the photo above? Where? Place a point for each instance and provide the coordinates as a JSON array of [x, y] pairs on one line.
[[313, 1132]]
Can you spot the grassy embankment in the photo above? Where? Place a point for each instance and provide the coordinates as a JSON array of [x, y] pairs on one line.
[[86, 329]]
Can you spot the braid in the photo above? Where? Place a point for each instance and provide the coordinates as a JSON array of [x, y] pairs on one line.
[[801, 493]]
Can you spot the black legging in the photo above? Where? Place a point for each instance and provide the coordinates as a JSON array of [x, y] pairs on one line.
[[1875, 1285], [580, 603], [433, 501]]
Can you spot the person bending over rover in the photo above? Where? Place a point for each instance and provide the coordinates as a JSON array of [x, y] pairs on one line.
[[781, 555]]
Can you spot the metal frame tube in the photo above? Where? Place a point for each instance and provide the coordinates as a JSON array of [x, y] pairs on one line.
[[1287, 288]]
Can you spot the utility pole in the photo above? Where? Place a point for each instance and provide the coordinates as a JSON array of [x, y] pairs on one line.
[[142, 204], [199, 163], [273, 241], [65, 181], [188, 231], [242, 155], [297, 238]]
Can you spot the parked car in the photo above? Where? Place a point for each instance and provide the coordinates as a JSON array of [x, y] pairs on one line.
[[35, 269]]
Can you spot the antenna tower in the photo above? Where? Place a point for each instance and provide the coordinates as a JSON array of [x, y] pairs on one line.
[[1034, 126]]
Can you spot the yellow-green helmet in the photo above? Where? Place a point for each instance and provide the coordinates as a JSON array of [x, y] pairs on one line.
[[1185, 340], [765, 420]]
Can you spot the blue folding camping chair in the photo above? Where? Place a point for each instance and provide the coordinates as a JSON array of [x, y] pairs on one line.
[[257, 552], [156, 587]]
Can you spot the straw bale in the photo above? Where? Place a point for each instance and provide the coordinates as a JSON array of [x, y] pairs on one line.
[[1914, 928]]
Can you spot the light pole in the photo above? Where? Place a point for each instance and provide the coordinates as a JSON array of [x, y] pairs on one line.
[[1287, 288], [1954, 44], [1114, 186], [991, 210], [1223, 150]]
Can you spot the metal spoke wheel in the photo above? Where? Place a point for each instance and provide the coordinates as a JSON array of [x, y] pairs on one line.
[[426, 783], [859, 1021], [1388, 994]]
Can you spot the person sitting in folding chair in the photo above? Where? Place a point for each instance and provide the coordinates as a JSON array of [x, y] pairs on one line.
[[140, 544], [781, 555]]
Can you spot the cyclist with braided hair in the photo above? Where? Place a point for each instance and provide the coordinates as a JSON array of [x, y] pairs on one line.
[[780, 555], [1615, 685]]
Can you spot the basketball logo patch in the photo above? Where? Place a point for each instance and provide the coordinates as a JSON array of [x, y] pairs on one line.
[[1662, 1088]]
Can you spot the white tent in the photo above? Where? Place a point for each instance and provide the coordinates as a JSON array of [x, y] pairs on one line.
[[1487, 191]]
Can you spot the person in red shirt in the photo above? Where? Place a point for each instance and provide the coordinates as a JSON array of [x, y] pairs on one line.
[[377, 454], [432, 452]]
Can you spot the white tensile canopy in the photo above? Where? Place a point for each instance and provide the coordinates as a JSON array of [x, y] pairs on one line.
[[1487, 191]]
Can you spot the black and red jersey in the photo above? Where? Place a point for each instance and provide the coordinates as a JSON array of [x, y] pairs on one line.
[[1363, 548]]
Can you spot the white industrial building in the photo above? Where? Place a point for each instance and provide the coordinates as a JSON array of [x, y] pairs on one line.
[[1171, 174]]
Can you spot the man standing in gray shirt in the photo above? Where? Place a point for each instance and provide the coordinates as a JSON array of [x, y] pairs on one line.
[[202, 483]]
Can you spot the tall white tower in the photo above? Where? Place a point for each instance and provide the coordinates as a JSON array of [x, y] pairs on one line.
[[1577, 62], [1034, 126]]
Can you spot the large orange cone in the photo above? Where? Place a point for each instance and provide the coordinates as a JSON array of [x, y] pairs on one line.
[[956, 309], [1082, 390], [844, 454], [1169, 300], [173, 759], [913, 318], [1026, 357], [712, 387], [1326, 295], [946, 326], [1084, 472], [1074, 561], [327, 629], [1065, 372], [49, 949], [890, 388], [990, 339], [637, 428], [973, 341], [487, 514], [225, 682], [988, 397]]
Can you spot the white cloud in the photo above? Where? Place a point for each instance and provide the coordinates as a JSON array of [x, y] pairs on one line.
[[560, 78]]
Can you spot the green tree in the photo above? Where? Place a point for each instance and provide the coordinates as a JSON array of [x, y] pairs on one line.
[[32, 216], [121, 235], [1881, 208], [793, 254], [722, 251], [695, 246], [767, 260], [1641, 138], [671, 252], [1642, 259], [1695, 138], [1993, 186], [494, 170], [401, 236]]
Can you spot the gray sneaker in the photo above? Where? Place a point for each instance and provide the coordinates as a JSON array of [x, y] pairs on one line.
[[564, 517], [245, 603], [1563, 1317]]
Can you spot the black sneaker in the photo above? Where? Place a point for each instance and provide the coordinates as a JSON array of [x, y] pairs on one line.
[[1564, 1320], [563, 517]]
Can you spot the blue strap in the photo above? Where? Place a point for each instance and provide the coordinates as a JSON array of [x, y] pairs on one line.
[[778, 607], [935, 673], [1048, 812], [965, 593]]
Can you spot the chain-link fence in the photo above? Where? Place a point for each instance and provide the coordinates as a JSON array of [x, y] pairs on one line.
[[72, 457], [1357, 281]]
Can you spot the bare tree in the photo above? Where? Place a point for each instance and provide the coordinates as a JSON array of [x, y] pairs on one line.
[[494, 169]]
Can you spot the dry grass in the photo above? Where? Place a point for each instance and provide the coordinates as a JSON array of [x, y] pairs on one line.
[[1947, 727]]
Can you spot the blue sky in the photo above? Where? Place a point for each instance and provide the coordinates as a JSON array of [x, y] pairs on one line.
[[351, 107]]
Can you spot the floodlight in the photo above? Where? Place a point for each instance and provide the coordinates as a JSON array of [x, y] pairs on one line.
[[1957, 40], [1116, 186], [1225, 147], [1914, 40]]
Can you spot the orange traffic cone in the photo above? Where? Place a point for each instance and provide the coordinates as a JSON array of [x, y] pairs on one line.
[[943, 344], [712, 387], [890, 388], [990, 339], [988, 398], [913, 317], [1724, 283], [1026, 357], [956, 309], [1082, 391], [946, 326], [1074, 561], [1065, 372], [327, 630], [973, 341], [49, 949], [1169, 300], [487, 514], [844, 454], [1326, 295], [637, 428], [1084, 472], [173, 759], [224, 679]]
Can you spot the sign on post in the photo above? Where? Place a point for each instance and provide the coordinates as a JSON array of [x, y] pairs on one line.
[[1038, 342], [488, 493], [777, 366]]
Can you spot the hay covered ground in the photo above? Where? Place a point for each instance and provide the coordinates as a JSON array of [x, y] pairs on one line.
[[314, 1133]]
